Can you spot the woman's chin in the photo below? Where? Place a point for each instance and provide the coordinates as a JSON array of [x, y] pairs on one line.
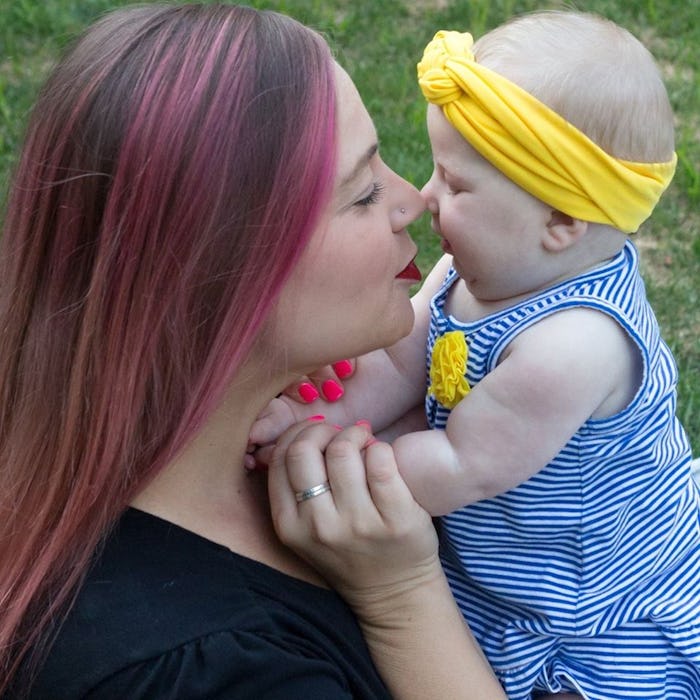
[[401, 326]]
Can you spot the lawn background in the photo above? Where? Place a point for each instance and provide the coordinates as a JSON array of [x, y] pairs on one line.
[[379, 43]]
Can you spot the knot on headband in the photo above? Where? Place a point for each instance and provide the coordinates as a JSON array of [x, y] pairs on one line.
[[534, 146]]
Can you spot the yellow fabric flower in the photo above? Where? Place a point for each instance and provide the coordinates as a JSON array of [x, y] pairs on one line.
[[447, 369]]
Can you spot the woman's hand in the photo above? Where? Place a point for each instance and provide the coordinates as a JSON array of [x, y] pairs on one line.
[[311, 395], [366, 535], [325, 383], [377, 547]]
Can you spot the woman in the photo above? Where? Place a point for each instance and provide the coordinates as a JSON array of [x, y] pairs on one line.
[[199, 201]]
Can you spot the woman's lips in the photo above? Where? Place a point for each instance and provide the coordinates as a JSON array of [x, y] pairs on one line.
[[410, 272]]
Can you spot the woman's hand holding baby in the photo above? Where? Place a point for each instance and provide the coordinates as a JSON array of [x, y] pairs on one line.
[[366, 535], [378, 548]]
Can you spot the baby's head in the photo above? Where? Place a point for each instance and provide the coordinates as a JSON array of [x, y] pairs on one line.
[[591, 74]]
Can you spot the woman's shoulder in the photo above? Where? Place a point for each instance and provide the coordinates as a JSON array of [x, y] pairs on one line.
[[165, 609]]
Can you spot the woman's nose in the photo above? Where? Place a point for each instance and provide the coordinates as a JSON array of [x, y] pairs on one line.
[[411, 206]]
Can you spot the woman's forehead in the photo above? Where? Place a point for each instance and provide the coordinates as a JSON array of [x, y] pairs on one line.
[[356, 133]]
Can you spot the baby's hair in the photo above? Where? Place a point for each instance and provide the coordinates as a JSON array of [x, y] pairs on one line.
[[592, 72], [176, 164]]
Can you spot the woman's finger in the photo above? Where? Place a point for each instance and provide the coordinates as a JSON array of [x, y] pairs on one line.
[[346, 472], [297, 475], [304, 391], [405, 522], [325, 383], [390, 493]]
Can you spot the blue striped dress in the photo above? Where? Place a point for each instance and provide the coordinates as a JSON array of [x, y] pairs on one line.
[[586, 577]]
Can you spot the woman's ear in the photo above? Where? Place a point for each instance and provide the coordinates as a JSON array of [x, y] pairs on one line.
[[562, 231]]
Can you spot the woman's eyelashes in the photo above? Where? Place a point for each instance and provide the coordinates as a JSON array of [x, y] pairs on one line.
[[373, 197]]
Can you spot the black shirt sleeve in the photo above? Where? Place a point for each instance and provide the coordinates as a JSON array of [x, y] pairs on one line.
[[167, 615], [227, 666]]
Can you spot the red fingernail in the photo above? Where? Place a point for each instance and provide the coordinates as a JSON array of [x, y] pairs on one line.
[[364, 422], [316, 417], [332, 390], [338, 427], [343, 368], [371, 441], [308, 392]]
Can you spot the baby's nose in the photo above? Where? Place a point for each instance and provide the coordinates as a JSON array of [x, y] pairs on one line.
[[430, 201]]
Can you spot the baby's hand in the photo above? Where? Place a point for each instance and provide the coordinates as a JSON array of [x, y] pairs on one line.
[[280, 414]]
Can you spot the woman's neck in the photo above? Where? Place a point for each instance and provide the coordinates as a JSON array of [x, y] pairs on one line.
[[207, 490]]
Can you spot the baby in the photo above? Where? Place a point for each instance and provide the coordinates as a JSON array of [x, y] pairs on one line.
[[571, 521]]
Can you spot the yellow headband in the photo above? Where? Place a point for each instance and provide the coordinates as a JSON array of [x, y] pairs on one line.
[[532, 145]]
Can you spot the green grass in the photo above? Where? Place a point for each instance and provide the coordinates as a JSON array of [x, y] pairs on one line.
[[380, 43]]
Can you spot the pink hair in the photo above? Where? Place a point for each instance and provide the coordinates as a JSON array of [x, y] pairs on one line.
[[176, 164]]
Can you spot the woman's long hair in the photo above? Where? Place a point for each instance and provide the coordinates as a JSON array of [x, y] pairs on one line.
[[176, 163]]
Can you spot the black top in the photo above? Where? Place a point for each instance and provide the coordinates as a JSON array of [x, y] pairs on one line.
[[166, 613]]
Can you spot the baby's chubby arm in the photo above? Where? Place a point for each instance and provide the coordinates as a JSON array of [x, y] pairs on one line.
[[572, 366], [385, 385]]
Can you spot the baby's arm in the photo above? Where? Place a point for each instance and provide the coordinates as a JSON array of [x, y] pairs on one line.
[[572, 366], [385, 386]]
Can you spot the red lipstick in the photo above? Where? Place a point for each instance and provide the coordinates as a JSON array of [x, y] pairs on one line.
[[410, 272]]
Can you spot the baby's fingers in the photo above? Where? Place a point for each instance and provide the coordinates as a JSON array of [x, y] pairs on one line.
[[275, 418]]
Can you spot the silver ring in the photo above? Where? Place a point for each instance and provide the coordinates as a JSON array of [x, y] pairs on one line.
[[314, 491]]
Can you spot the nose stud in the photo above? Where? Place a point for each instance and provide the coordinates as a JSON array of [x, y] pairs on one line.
[[402, 210]]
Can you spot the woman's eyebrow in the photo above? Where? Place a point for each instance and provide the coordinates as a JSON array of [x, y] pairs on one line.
[[361, 163]]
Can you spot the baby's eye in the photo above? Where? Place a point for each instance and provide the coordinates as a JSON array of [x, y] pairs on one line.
[[372, 197]]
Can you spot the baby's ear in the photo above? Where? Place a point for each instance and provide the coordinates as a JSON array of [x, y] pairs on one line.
[[562, 231]]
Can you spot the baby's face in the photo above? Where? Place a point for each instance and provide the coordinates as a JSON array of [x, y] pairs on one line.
[[492, 227]]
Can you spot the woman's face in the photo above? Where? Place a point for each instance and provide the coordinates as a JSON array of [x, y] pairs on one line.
[[349, 294]]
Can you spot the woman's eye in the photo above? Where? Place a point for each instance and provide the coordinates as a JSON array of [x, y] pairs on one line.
[[372, 197]]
